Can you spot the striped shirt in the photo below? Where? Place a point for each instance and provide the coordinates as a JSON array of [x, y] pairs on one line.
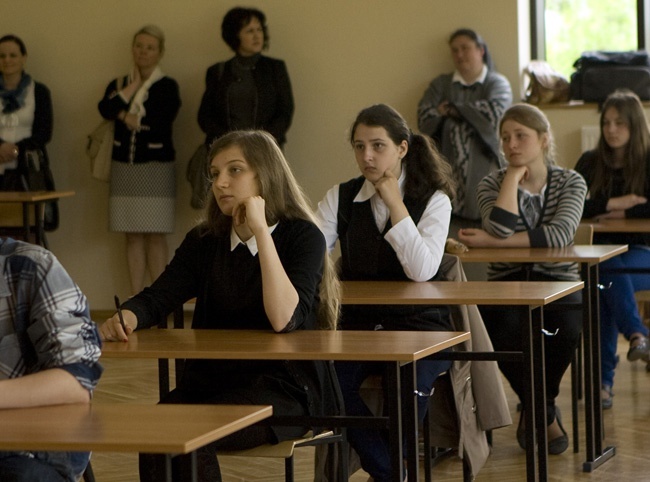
[[561, 212]]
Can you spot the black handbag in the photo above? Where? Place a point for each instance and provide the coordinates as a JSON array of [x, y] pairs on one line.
[[33, 174]]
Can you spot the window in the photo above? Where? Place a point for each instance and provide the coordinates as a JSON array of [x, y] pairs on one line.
[[563, 29]]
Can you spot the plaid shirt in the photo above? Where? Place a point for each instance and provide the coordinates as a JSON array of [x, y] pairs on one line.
[[44, 317], [45, 323]]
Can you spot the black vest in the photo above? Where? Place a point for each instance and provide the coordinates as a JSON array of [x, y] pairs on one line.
[[366, 255]]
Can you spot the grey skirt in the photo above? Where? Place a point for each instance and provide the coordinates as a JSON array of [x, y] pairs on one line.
[[142, 197]]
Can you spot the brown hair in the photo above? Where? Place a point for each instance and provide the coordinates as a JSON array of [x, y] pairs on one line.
[[629, 107], [533, 118], [284, 200]]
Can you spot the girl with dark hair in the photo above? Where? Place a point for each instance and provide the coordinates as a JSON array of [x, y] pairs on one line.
[[258, 262], [617, 173], [461, 111], [392, 224], [531, 203], [249, 91]]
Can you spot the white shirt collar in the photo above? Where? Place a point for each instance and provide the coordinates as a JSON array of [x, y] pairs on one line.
[[368, 190], [251, 244], [479, 80]]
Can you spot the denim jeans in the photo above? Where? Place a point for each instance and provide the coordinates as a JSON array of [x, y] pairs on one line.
[[42, 466], [373, 445], [618, 309]]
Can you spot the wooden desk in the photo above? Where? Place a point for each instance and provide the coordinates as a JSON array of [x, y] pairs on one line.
[[35, 199], [396, 348], [166, 429], [620, 225], [535, 295], [588, 256]]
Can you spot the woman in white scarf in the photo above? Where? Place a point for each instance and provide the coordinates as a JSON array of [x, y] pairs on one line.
[[142, 193]]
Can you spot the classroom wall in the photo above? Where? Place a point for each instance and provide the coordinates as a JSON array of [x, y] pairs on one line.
[[342, 55]]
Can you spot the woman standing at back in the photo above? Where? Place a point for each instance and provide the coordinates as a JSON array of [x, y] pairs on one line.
[[461, 111], [143, 105], [617, 172], [249, 91]]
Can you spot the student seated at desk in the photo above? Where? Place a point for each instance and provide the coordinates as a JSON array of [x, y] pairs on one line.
[[532, 203], [258, 262], [617, 172], [392, 224], [49, 352]]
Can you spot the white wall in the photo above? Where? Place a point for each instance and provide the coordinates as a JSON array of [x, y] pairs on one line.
[[342, 55]]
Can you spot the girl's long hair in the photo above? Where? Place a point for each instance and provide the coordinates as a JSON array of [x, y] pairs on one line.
[[427, 171], [630, 109], [284, 200]]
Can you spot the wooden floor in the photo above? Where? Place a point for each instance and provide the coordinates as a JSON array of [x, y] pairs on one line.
[[627, 427]]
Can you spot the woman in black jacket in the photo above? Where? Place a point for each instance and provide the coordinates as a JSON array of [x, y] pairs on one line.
[[249, 91], [143, 105]]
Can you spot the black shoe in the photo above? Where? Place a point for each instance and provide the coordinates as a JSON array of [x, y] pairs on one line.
[[559, 444], [521, 432]]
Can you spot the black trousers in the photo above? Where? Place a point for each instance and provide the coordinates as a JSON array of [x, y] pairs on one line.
[[506, 327]]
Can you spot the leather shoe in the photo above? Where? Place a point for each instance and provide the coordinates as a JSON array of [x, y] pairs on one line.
[[521, 431], [561, 443]]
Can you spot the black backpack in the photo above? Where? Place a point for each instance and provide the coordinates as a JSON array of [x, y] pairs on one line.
[[600, 73]]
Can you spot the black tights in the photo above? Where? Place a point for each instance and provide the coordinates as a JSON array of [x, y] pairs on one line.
[[505, 325]]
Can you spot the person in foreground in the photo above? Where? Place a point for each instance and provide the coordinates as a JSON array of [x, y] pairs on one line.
[[49, 352], [258, 262], [531, 203], [617, 172], [143, 106], [461, 111], [392, 224]]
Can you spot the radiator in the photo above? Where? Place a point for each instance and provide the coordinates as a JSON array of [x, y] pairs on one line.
[[589, 137]]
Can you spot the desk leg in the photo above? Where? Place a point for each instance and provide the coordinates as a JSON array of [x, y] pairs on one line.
[[539, 390], [596, 456], [26, 221], [188, 471], [529, 402], [394, 411], [410, 422], [168, 468], [40, 225]]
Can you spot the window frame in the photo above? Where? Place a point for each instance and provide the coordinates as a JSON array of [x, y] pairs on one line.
[[538, 27]]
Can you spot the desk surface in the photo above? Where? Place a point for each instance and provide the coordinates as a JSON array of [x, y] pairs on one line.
[[404, 346], [32, 196], [596, 253], [532, 293], [620, 225], [124, 427]]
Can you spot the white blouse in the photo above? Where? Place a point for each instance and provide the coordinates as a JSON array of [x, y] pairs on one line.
[[418, 248]]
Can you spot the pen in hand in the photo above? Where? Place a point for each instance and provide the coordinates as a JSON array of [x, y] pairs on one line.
[[119, 313]]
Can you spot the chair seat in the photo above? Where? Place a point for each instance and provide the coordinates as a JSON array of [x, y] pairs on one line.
[[280, 450]]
